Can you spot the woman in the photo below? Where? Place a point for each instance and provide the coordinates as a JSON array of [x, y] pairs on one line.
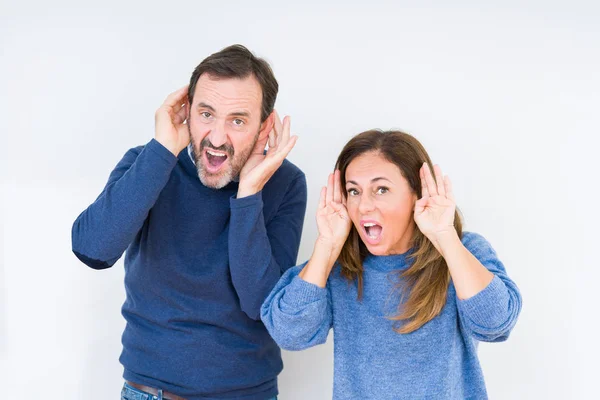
[[407, 293]]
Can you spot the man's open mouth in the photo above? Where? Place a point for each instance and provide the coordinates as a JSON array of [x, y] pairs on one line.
[[215, 159]]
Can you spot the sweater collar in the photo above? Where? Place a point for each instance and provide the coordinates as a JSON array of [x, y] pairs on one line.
[[389, 262]]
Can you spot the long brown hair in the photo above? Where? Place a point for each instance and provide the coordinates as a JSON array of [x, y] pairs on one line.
[[424, 284]]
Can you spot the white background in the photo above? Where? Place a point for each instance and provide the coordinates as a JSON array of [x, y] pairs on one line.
[[505, 95]]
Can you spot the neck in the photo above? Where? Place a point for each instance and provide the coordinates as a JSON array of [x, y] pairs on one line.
[[404, 243]]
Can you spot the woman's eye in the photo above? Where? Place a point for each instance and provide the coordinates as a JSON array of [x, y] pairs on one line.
[[352, 192], [382, 190], [238, 122]]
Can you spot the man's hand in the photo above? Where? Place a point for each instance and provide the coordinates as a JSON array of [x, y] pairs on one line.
[[170, 128], [259, 168]]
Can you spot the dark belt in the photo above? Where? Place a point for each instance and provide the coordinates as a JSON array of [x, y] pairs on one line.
[[154, 392]]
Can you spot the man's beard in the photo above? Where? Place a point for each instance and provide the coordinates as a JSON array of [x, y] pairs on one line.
[[235, 163]]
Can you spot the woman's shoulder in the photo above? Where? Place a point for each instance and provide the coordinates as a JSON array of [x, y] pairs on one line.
[[473, 238], [477, 244]]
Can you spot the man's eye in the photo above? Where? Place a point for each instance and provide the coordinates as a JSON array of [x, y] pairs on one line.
[[238, 122], [205, 114], [352, 192], [382, 190]]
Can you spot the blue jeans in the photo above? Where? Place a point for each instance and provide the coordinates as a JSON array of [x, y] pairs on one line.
[[131, 393]]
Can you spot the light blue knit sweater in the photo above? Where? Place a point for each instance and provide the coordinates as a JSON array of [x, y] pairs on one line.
[[372, 361]]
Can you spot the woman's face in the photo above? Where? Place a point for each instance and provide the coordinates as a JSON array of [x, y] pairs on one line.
[[380, 203]]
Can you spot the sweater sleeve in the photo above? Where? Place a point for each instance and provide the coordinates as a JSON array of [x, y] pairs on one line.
[[259, 253], [297, 314], [105, 229], [491, 314]]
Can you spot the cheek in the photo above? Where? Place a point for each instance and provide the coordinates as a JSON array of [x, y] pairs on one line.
[[398, 211], [239, 140], [198, 128]]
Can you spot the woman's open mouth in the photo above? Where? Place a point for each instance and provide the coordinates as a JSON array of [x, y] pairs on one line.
[[372, 231]]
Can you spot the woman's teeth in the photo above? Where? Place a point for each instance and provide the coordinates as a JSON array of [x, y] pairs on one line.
[[373, 230]]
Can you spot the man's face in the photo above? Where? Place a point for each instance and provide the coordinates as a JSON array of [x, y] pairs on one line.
[[224, 124]]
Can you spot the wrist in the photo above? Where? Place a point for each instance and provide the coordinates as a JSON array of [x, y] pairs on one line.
[[326, 247], [319, 265], [173, 149], [446, 240], [245, 191]]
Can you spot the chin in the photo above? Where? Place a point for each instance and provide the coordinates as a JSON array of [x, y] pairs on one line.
[[213, 181], [377, 250]]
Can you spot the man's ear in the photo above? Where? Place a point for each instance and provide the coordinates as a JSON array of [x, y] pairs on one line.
[[266, 126]]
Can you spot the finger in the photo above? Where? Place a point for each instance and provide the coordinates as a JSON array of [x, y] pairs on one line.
[[424, 191], [448, 187], [420, 206], [272, 139], [278, 126], [429, 181], [329, 195], [336, 186], [177, 97], [421, 203], [259, 147], [439, 179], [181, 115], [281, 154], [322, 197], [284, 134], [185, 110]]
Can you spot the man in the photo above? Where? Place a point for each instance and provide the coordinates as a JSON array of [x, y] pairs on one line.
[[210, 221]]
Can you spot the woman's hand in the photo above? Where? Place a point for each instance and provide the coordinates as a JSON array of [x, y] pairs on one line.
[[434, 211], [334, 225], [333, 220]]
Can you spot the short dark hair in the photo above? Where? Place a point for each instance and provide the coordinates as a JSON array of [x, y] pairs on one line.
[[237, 61]]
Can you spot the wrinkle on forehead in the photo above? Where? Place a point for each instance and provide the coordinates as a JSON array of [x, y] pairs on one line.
[[372, 165], [228, 95]]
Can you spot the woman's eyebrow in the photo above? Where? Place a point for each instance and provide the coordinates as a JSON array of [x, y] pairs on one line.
[[379, 178]]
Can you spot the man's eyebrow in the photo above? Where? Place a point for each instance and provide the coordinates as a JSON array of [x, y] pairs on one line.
[[240, 114], [379, 178], [204, 105]]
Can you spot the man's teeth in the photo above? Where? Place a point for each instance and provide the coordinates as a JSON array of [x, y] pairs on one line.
[[216, 154]]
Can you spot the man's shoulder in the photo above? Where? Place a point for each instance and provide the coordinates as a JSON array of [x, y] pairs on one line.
[[288, 179], [132, 153], [138, 149], [153, 148], [290, 170]]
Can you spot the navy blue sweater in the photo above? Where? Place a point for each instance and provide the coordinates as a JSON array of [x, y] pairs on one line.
[[198, 266]]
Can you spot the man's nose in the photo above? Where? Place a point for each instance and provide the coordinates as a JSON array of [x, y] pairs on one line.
[[217, 135]]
